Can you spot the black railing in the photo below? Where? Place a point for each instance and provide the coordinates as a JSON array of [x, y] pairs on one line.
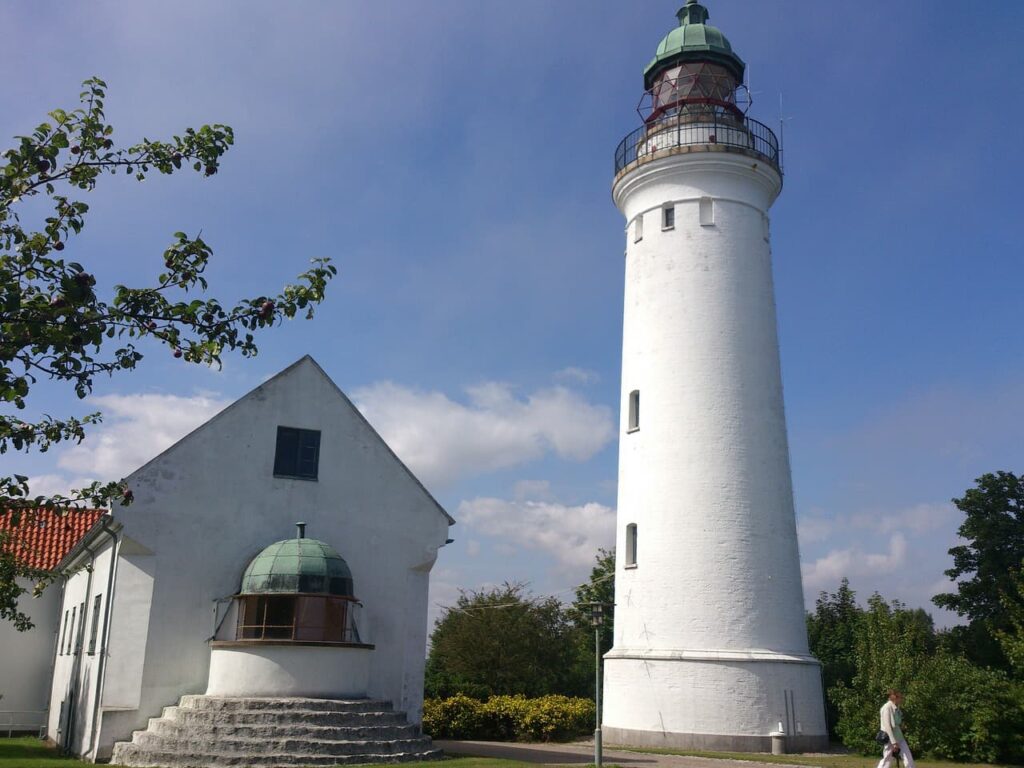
[[705, 128]]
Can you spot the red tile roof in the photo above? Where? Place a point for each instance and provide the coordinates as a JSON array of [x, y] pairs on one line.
[[43, 537]]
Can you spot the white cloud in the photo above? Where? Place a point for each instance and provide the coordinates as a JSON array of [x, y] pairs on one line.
[[52, 485], [920, 518], [135, 429], [577, 375], [536, 490], [572, 534], [443, 440], [472, 547], [811, 530], [825, 572]]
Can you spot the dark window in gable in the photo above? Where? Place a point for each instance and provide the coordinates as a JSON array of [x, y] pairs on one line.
[[298, 453]]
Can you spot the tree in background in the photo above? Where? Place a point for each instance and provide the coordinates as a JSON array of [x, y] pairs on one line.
[[832, 633], [57, 323], [600, 589], [984, 567], [1012, 638], [891, 643], [960, 711], [504, 641]]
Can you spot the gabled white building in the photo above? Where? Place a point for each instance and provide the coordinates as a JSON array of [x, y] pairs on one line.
[[154, 588]]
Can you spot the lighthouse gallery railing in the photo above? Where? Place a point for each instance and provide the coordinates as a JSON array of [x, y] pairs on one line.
[[707, 128]]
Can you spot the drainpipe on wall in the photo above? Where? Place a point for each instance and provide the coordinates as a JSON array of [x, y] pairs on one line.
[[115, 548]]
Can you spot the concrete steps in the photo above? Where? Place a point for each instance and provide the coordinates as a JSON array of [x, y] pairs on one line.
[[210, 732]]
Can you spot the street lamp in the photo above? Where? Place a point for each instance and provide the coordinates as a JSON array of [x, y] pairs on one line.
[[597, 620]]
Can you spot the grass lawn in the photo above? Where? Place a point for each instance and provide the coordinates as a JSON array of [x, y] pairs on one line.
[[30, 752], [823, 761]]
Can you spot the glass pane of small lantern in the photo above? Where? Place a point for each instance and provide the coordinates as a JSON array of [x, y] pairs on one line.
[[334, 630], [250, 618], [280, 621], [312, 618]]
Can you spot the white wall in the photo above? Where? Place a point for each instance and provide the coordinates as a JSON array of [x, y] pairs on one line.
[[210, 503], [75, 672], [706, 478], [26, 657]]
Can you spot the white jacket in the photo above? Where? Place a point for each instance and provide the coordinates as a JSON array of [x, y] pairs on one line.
[[888, 721]]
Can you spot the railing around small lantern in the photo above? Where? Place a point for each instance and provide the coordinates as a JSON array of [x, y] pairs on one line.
[[709, 128], [314, 619]]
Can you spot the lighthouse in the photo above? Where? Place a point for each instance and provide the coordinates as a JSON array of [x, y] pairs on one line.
[[710, 647]]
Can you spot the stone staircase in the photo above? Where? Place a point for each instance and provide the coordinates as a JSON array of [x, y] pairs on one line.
[[211, 731]]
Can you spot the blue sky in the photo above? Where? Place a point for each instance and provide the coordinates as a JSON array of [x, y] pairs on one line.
[[455, 160]]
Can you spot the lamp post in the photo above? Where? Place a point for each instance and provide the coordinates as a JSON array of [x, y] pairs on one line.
[[597, 620]]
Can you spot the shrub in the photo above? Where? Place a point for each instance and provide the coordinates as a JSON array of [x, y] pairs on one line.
[[959, 711], [457, 717], [508, 718], [556, 718]]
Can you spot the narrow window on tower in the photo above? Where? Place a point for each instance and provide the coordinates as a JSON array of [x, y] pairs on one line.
[[668, 217], [633, 423], [707, 212], [631, 545], [638, 229]]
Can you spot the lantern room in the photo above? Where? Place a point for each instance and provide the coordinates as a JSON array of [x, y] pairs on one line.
[[694, 69], [291, 630]]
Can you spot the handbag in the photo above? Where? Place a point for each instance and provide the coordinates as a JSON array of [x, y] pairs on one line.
[[882, 738]]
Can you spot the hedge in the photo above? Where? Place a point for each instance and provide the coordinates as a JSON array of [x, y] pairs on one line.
[[508, 718]]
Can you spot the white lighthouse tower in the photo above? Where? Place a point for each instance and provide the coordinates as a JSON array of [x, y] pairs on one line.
[[710, 643]]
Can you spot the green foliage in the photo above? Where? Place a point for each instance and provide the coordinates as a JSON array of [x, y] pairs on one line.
[[508, 718], [832, 632], [1012, 638], [892, 642], [56, 322], [963, 712], [501, 641], [13, 569], [984, 566], [600, 589]]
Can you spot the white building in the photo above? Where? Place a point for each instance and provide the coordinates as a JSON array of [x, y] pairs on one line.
[[710, 647], [40, 540], [154, 603]]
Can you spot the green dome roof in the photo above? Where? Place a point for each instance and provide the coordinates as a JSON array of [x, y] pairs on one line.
[[693, 40], [298, 566]]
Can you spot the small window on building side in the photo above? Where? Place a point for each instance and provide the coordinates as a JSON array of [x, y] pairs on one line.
[[631, 545], [71, 634], [668, 217], [638, 229], [80, 629], [297, 453], [64, 633], [707, 212], [95, 624], [633, 422]]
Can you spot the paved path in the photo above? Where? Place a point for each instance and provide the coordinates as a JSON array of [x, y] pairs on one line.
[[581, 753]]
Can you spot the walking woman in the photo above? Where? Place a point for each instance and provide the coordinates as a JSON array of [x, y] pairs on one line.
[[891, 717]]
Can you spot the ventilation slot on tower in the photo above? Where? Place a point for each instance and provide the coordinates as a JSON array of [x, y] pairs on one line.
[[707, 212], [634, 411], [638, 229]]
